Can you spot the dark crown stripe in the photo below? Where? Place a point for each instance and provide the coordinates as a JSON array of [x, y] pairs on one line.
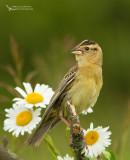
[[87, 42]]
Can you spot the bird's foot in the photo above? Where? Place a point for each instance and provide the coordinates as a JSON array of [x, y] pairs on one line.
[[71, 108], [64, 120]]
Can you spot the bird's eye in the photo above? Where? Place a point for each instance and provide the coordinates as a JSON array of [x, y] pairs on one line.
[[86, 48], [95, 49]]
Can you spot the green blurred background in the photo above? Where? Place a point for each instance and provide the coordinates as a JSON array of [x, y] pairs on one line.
[[38, 43]]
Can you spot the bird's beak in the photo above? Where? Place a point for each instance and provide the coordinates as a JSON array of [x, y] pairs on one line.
[[76, 51]]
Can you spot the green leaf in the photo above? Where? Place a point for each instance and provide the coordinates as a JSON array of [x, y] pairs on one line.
[[112, 156], [48, 140], [108, 155], [86, 158]]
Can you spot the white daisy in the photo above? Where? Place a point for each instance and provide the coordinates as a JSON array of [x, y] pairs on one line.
[[20, 119], [96, 139], [39, 97], [67, 157], [89, 110]]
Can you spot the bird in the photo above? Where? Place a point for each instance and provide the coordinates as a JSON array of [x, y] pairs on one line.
[[80, 86]]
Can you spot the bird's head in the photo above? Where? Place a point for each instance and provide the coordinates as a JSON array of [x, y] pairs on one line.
[[88, 52]]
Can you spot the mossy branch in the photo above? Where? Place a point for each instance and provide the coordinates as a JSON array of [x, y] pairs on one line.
[[77, 140]]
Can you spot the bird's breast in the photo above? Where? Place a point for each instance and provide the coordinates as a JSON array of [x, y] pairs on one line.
[[85, 91]]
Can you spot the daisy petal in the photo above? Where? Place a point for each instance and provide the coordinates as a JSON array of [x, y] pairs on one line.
[[90, 110], [28, 87], [37, 88], [21, 91], [66, 157]]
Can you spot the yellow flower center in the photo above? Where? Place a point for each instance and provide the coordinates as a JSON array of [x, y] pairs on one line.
[[23, 118], [91, 137], [34, 98]]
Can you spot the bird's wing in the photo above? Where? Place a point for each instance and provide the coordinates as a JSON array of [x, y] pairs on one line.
[[49, 118], [68, 78]]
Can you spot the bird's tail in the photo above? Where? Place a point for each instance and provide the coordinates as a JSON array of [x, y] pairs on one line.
[[39, 133]]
